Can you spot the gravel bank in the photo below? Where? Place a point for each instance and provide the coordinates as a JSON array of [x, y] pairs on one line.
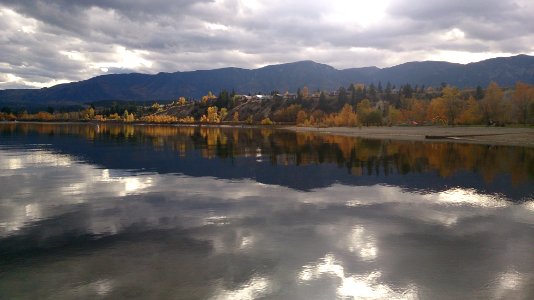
[[479, 135]]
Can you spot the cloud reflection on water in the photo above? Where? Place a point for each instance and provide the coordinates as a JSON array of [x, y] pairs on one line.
[[256, 287], [254, 236], [362, 286]]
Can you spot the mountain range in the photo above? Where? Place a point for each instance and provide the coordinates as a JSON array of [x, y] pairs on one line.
[[283, 77]]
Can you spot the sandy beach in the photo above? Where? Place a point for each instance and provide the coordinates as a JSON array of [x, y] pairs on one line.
[[479, 135]]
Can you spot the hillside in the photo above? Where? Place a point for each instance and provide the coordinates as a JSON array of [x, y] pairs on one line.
[[283, 77]]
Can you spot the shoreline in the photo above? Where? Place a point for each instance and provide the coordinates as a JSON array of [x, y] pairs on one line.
[[505, 136]]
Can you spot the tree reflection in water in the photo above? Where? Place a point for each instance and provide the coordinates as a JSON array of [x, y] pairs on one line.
[[168, 212], [358, 156]]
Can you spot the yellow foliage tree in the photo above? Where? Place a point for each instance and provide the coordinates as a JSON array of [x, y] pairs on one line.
[[114, 116], [156, 107], [159, 119], [213, 115], [346, 117], [522, 98], [266, 121], [471, 113], [129, 117], [492, 105], [43, 116], [417, 111], [302, 117], [436, 112], [452, 103], [188, 119], [394, 116], [223, 113]]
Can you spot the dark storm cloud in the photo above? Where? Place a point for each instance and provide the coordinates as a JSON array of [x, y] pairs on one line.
[[43, 42]]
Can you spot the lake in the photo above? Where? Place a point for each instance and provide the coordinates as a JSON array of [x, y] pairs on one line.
[[166, 212]]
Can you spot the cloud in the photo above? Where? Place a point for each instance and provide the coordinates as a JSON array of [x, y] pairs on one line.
[[242, 239], [45, 42]]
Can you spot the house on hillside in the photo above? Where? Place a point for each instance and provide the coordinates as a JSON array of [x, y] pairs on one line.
[[334, 93], [290, 96], [262, 97]]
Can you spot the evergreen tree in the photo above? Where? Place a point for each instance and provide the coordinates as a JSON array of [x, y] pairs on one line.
[[388, 91], [323, 105], [406, 91], [299, 95], [372, 91], [479, 94], [223, 99], [341, 96]]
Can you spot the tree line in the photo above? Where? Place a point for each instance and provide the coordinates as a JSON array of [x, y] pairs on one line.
[[356, 105]]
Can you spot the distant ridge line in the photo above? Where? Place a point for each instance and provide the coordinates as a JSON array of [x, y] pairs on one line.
[[506, 71]]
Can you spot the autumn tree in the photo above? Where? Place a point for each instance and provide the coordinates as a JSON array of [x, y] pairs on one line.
[[207, 98], [212, 115], [128, 117], [394, 116], [367, 114], [7, 116], [114, 116], [302, 117], [523, 97], [347, 117], [437, 112], [452, 103], [223, 113], [492, 105], [288, 114], [159, 119], [89, 113], [155, 107], [266, 121], [471, 112], [316, 117], [416, 110], [43, 116], [363, 108]]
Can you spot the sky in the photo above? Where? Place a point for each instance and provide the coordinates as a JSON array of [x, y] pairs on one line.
[[47, 42]]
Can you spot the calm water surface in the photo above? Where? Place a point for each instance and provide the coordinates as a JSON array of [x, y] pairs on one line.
[[155, 212]]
